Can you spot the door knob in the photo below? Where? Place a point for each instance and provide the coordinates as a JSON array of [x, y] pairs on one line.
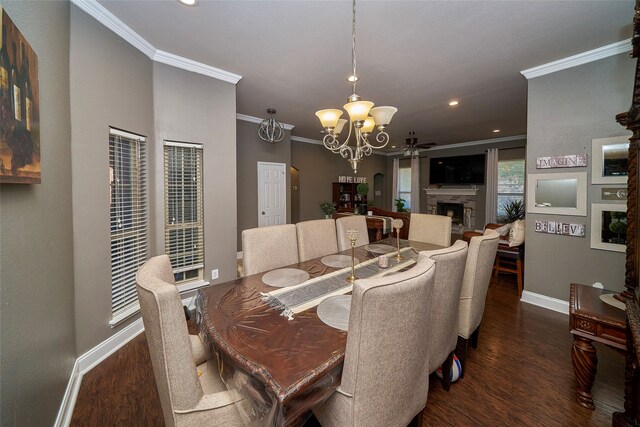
[[262, 212]]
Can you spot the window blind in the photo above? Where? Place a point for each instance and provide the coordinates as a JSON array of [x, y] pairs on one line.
[[128, 201], [183, 219]]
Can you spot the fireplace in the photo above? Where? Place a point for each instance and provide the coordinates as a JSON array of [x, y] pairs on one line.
[[454, 210]]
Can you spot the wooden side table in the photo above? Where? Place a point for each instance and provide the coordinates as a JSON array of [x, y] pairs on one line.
[[592, 320]]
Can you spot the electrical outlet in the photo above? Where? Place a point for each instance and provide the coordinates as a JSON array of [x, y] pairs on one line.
[[214, 274]]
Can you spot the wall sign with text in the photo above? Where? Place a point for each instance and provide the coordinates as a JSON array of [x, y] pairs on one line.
[[353, 179], [562, 228], [568, 161]]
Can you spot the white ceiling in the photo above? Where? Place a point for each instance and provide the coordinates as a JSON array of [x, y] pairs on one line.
[[415, 55]]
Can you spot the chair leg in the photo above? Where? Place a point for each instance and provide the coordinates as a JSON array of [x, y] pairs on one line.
[[496, 266], [474, 337], [461, 352], [519, 268], [446, 372], [416, 421]]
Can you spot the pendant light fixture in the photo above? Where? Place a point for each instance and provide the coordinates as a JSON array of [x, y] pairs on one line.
[[363, 118], [270, 129]]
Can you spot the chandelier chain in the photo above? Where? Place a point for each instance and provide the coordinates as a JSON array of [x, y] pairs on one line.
[[353, 46]]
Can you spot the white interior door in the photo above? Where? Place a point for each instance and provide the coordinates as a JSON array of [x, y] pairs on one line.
[[272, 194]]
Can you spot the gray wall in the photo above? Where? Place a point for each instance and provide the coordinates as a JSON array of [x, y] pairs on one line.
[[319, 168], [251, 150], [195, 108], [111, 85], [508, 150], [36, 245], [566, 110]]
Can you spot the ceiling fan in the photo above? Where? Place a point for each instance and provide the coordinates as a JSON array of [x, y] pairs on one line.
[[412, 146]]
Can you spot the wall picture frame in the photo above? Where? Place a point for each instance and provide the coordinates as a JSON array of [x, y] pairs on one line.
[[557, 193], [609, 160], [609, 226], [20, 161]]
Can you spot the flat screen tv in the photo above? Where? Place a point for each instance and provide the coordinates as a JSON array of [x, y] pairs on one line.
[[457, 170]]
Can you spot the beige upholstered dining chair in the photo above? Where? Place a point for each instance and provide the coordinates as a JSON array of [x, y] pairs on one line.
[[266, 248], [385, 376], [434, 229], [190, 395], [450, 264], [351, 222], [316, 238], [477, 275]]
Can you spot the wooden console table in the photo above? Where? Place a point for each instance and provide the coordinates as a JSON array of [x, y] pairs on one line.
[[591, 319]]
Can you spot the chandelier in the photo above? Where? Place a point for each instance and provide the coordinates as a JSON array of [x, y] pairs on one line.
[[270, 129], [362, 119]]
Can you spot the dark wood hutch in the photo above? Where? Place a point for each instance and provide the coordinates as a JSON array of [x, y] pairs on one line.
[[631, 294]]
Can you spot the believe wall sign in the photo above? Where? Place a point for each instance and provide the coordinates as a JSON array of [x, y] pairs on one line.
[[353, 179], [568, 161], [562, 228]]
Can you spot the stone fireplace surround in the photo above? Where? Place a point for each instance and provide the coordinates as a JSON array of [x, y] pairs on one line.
[[464, 196]]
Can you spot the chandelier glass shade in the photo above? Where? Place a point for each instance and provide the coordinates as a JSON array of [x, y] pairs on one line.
[[270, 129], [363, 119]]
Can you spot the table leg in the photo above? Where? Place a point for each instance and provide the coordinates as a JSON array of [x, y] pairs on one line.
[[378, 234], [585, 361]]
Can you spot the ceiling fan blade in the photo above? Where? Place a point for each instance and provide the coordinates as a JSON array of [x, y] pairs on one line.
[[426, 145]]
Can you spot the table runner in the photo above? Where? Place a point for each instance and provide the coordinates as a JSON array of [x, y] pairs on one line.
[[296, 299]]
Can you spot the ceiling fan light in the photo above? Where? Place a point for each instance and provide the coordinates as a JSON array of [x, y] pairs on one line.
[[329, 118], [339, 126], [368, 125], [358, 110], [383, 115]]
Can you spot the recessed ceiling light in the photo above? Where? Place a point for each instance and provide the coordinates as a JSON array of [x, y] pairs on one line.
[[453, 102], [393, 146], [496, 130], [189, 2]]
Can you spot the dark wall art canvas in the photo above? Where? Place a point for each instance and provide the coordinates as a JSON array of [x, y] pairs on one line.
[[19, 108]]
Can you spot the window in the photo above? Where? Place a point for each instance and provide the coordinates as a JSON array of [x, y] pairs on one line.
[[128, 219], [510, 184], [404, 185], [183, 211]]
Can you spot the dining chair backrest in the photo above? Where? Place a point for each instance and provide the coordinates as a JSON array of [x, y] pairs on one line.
[[351, 222], [435, 229], [385, 376], [168, 338], [477, 275], [266, 248], [450, 264], [316, 238]]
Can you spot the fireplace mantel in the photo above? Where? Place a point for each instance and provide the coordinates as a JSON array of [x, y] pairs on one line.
[[451, 191]]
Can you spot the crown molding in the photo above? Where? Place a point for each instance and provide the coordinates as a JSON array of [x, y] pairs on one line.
[[253, 119], [579, 59], [307, 140], [467, 144], [194, 66], [113, 23]]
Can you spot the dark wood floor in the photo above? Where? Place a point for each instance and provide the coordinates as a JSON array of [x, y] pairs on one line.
[[520, 375]]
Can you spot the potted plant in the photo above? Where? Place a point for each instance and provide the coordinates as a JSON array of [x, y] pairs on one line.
[[513, 210], [328, 208], [400, 205]]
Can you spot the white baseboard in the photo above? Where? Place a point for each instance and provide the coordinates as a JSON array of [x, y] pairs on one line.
[[91, 359], [545, 302], [69, 399]]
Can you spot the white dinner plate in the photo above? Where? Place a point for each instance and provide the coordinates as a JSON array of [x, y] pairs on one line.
[[334, 311], [338, 261], [283, 277], [380, 249]]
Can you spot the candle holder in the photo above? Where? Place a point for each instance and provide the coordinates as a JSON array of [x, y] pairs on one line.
[[397, 224], [352, 235]]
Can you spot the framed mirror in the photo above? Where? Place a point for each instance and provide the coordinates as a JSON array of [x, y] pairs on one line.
[[609, 227], [557, 193], [609, 160]]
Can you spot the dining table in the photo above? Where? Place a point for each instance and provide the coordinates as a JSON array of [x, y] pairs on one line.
[[275, 353]]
